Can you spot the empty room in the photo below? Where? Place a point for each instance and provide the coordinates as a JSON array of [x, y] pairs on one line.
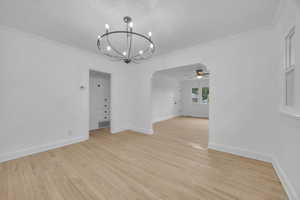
[[180, 104], [148, 99]]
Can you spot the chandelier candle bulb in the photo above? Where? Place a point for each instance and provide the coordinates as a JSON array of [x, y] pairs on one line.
[[111, 42]]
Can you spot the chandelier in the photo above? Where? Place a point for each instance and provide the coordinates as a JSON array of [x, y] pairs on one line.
[[127, 45]]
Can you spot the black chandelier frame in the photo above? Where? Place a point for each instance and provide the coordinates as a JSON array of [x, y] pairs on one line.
[[127, 55]]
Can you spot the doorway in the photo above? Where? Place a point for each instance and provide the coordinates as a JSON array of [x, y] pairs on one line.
[[99, 100], [180, 104]]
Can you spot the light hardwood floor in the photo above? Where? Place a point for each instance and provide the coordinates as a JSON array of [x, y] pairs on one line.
[[173, 164]]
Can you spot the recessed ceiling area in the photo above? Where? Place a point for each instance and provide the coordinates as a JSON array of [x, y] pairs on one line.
[[175, 24]]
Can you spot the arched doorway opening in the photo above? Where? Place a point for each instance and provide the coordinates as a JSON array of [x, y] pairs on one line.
[[180, 104]]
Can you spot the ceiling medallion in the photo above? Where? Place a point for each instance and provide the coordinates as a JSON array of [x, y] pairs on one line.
[[119, 45]]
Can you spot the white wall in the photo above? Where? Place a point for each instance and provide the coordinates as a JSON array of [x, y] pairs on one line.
[[237, 91], [99, 88], [288, 145], [165, 98], [41, 102], [245, 94], [188, 107], [41, 105]]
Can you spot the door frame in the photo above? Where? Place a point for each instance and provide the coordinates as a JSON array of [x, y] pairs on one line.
[[111, 97]]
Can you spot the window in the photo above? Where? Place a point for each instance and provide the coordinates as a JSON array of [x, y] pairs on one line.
[[205, 95], [195, 95], [203, 98], [289, 70]]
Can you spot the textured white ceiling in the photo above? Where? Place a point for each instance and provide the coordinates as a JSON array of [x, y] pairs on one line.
[[175, 23]]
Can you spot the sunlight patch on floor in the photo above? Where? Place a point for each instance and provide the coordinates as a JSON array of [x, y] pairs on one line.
[[196, 146]]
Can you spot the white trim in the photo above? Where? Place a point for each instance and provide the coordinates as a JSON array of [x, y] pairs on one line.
[[289, 69], [40, 148], [289, 113], [112, 98], [241, 152], [288, 187], [142, 130], [196, 116], [165, 118], [288, 48], [116, 130]]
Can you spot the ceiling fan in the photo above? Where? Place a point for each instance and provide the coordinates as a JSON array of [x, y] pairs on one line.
[[200, 73]]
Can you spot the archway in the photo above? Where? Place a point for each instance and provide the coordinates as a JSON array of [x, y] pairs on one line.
[[180, 103]]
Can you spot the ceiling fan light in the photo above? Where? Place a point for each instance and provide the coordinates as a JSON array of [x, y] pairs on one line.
[[106, 26], [199, 77]]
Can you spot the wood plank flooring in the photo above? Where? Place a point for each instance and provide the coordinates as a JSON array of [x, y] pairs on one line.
[[173, 164]]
